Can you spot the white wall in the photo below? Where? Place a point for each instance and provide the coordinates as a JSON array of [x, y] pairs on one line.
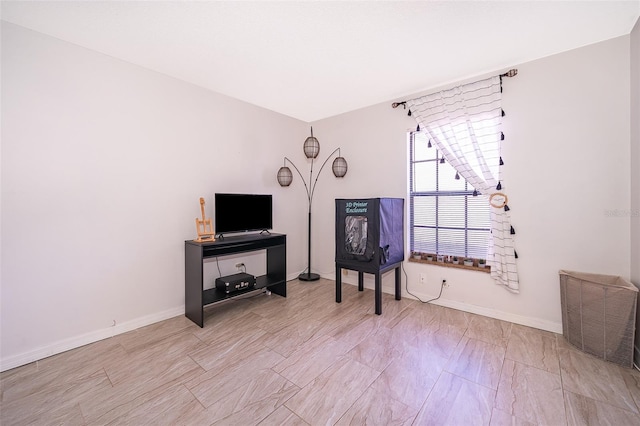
[[566, 164], [103, 164], [635, 171], [635, 153]]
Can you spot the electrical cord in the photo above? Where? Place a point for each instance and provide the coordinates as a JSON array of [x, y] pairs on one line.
[[406, 286], [218, 264], [241, 265], [304, 270]]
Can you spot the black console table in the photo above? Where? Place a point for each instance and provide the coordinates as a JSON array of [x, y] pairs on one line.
[[195, 252]]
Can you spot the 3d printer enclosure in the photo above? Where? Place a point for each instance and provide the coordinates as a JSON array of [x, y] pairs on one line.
[[369, 233]]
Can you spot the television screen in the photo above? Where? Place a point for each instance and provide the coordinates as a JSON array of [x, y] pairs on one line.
[[242, 212]]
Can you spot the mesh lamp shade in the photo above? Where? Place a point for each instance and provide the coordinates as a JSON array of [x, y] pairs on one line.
[[311, 147], [339, 167], [285, 177]]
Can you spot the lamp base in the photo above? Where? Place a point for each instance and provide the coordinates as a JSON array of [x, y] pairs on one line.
[[308, 276]]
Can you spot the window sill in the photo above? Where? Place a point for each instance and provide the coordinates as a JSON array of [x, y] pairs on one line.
[[486, 269]]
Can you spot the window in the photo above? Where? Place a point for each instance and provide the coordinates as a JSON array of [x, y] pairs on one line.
[[445, 217]]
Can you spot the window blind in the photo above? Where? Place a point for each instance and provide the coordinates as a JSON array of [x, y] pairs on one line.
[[445, 217]]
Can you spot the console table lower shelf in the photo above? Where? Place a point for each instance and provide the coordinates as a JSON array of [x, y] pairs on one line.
[[212, 296], [275, 280]]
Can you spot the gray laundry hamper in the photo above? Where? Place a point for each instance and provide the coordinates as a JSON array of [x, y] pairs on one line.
[[599, 315]]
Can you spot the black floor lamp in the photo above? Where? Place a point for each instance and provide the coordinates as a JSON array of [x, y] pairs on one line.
[[285, 177]]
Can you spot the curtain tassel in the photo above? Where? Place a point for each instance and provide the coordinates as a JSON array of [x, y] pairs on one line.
[[418, 128], [506, 208], [457, 176], [501, 162], [429, 144], [499, 186], [500, 110], [501, 136], [442, 160], [409, 113], [475, 193], [515, 253], [513, 231]]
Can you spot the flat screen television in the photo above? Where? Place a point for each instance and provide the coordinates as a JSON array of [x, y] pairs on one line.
[[242, 213]]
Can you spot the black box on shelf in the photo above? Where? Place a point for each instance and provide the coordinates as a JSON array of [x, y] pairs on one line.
[[235, 282]]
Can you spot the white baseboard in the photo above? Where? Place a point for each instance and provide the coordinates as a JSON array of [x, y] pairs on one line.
[[91, 337], [500, 315], [473, 309], [94, 336]]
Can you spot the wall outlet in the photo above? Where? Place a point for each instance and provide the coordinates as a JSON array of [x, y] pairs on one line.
[[445, 283], [345, 272], [423, 278], [239, 266]]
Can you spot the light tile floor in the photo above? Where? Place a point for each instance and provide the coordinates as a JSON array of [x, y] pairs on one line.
[[305, 359]]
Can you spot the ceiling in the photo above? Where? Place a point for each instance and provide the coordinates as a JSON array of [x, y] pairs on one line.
[[315, 59]]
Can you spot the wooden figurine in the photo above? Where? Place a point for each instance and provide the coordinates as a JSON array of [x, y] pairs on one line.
[[204, 227]]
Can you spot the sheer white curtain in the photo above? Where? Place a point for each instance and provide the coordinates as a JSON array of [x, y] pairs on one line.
[[465, 124]]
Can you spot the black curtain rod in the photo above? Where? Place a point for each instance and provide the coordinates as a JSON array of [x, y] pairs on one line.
[[511, 73]]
